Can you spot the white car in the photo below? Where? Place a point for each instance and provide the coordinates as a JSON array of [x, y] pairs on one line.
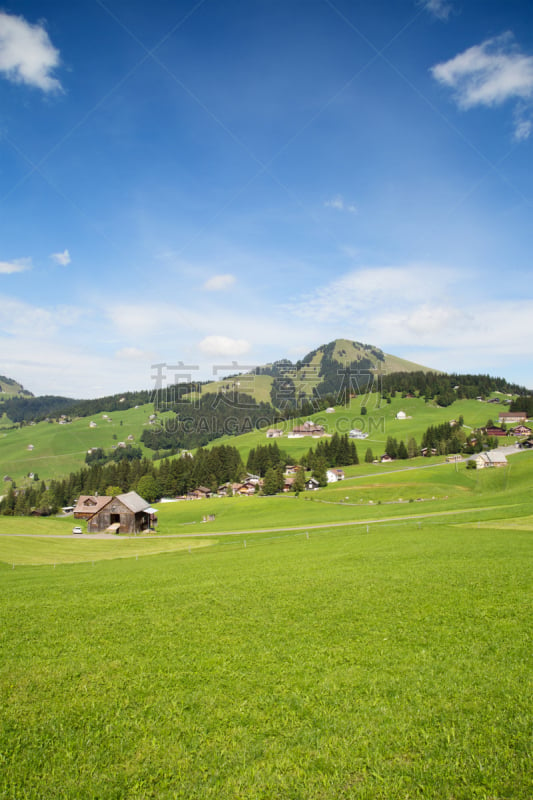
[[77, 529]]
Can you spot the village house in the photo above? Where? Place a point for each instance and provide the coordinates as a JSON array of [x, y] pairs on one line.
[[123, 513], [357, 434], [292, 469], [288, 484], [309, 428], [274, 433], [520, 430], [512, 417], [200, 493], [495, 431], [312, 484], [334, 475], [385, 458], [490, 459], [401, 415]]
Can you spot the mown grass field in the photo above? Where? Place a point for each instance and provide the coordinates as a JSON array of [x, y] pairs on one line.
[[385, 662]]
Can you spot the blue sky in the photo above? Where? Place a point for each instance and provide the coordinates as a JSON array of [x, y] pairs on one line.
[[212, 182]]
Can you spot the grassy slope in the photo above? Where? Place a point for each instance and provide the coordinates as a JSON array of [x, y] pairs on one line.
[[345, 352], [379, 422], [387, 666], [60, 449]]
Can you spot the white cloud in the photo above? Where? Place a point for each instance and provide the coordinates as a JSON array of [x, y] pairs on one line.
[[223, 346], [27, 54], [17, 265], [489, 74], [219, 283], [61, 258], [364, 290], [339, 204], [439, 8]]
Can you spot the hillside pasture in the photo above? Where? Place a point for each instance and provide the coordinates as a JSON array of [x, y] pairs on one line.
[[61, 449]]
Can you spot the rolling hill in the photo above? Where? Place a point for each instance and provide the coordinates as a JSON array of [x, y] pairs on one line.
[[10, 388], [323, 371]]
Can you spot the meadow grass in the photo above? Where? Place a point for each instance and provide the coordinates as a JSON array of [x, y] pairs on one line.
[[387, 665], [61, 449]]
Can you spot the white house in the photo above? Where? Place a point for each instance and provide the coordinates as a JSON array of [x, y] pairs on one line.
[[357, 434], [334, 475], [490, 459], [401, 415]]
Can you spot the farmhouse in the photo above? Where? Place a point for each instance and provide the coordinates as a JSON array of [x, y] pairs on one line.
[[355, 433], [512, 417], [490, 459], [274, 433], [311, 484], [495, 431], [309, 428], [520, 430], [123, 513], [334, 475], [401, 415]]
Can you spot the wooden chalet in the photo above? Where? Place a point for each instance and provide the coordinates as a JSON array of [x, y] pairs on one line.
[[521, 430], [495, 431], [309, 428], [124, 513]]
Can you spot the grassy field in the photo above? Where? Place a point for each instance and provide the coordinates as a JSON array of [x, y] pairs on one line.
[[61, 449], [388, 665], [379, 423]]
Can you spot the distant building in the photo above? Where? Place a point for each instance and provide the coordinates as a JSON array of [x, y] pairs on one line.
[[334, 475], [490, 459], [512, 417], [274, 433], [401, 415]]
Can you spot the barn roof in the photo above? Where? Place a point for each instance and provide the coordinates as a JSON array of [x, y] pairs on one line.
[[91, 504], [133, 501]]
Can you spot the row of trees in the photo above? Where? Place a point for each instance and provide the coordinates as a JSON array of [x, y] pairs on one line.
[[152, 480], [339, 451]]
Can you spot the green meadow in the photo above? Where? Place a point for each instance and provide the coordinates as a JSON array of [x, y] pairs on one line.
[[379, 422], [61, 449], [385, 659]]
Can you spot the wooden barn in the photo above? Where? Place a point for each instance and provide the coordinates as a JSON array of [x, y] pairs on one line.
[[125, 513]]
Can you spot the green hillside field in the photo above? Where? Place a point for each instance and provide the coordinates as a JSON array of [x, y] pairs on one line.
[[388, 659], [379, 422], [61, 449]]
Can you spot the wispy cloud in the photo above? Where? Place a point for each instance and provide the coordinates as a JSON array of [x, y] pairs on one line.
[[339, 204], [489, 74], [364, 290], [63, 258], [224, 346], [439, 8], [17, 265], [219, 283], [26, 54]]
